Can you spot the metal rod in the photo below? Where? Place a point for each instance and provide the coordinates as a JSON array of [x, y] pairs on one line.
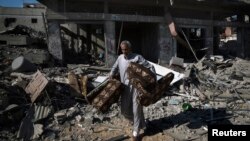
[[190, 46], [119, 40]]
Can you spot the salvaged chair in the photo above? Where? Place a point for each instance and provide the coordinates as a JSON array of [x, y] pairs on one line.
[[150, 90]]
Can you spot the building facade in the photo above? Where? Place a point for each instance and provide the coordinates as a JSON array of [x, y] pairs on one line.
[[97, 26]]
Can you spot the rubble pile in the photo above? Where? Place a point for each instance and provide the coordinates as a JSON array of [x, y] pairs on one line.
[[220, 78], [52, 104], [23, 41], [24, 30], [216, 89], [34, 55]]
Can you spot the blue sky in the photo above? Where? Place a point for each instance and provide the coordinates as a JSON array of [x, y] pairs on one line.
[[15, 3]]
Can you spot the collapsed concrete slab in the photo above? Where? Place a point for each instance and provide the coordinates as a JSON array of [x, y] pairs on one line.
[[162, 71]]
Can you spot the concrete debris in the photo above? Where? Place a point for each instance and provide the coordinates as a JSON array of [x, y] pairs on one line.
[[162, 71], [176, 61], [217, 89], [38, 130], [24, 30], [21, 64], [174, 101], [22, 35], [37, 56], [64, 115]]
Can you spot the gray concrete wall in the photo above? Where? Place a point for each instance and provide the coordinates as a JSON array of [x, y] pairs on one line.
[[110, 43], [166, 44], [22, 16], [54, 41], [72, 37]]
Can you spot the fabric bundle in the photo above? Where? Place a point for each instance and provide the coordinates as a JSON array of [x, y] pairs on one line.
[[151, 96], [142, 74], [150, 90]]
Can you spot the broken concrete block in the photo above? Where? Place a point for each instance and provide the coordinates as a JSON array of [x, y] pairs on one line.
[[174, 101], [66, 114], [60, 116], [38, 130], [88, 119], [176, 61], [188, 70], [162, 71], [218, 58], [21, 64], [182, 89]]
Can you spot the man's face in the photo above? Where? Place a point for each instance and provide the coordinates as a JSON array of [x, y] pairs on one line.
[[125, 49]]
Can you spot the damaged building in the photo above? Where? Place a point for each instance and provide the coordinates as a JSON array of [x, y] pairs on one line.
[[90, 30], [162, 28], [12, 18], [56, 57]]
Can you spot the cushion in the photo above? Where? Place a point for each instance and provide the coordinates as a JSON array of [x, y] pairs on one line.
[[107, 96]]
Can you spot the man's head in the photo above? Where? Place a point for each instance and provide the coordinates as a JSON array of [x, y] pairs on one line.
[[125, 47]]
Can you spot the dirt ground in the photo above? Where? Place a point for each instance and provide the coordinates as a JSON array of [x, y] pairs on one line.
[[116, 129]]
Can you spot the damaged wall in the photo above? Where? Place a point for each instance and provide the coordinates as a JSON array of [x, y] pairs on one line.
[[54, 41], [70, 34], [110, 43], [84, 42], [207, 15], [11, 17], [166, 43]]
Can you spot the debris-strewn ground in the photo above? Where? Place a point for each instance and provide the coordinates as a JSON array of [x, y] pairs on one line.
[[216, 88]]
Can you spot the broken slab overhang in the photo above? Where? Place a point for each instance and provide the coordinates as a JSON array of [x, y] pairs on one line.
[[24, 30], [162, 71]]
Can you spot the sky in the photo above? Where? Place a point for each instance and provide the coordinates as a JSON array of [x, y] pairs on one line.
[[15, 3]]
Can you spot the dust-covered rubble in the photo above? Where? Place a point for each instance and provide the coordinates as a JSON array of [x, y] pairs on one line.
[[216, 90]]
